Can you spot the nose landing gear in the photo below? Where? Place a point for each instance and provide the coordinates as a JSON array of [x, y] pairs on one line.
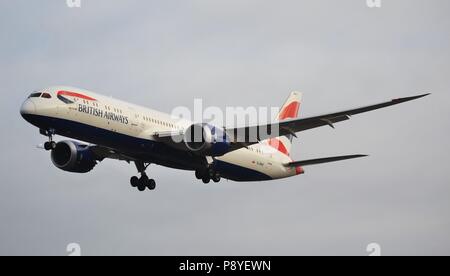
[[143, 182], [50, 145]]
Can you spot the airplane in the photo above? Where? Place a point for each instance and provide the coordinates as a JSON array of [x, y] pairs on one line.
[[111, 128]]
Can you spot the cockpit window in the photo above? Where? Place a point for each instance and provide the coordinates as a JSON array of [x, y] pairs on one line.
[[35, 95], [46, 96]]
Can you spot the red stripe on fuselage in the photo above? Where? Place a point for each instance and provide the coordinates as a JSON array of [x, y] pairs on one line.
[[76, 95], [290, 111]]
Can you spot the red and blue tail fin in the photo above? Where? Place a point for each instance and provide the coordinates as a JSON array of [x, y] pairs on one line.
[[290, 110]]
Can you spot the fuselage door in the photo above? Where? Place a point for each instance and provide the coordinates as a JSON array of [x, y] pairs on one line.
[[134, 125]]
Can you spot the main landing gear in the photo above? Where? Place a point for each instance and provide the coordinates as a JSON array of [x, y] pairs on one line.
[[207, 175], [50, 145], [143, 182]]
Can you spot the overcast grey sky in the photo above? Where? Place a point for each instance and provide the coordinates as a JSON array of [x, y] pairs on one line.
[[250, 53]]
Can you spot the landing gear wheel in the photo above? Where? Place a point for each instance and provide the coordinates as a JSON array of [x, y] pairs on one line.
[[49, 145], [134, 181], [216, 178], [213, 175], [151, 184], [141, 188], [143, 182], [198, 174], [206, 179]]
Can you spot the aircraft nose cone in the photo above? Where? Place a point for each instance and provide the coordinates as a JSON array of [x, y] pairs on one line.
[[28, 107]]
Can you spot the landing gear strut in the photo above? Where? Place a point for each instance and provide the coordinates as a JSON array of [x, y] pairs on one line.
[[143, 182], [50, 145]]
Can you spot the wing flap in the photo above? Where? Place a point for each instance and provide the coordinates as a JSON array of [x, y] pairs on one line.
[[105, 152]]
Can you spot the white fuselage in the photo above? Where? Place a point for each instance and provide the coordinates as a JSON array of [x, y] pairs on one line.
[[111, 122]]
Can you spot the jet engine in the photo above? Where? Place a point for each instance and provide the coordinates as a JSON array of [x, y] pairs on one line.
[[205, 139], [73, 157]]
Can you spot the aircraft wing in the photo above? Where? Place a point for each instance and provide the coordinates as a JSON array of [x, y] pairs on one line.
[[242, 137], [102, 152]]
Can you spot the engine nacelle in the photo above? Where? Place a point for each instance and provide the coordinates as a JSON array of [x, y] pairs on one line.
[[73, 157], [206, 140]]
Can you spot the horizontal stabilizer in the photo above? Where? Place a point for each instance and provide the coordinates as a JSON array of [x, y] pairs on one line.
[[323, 160]]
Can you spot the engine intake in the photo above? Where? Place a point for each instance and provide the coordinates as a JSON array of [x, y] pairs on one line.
[[205, 139], [73, 157]]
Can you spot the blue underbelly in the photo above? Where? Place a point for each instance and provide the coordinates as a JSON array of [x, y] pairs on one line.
[[146, 150]]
